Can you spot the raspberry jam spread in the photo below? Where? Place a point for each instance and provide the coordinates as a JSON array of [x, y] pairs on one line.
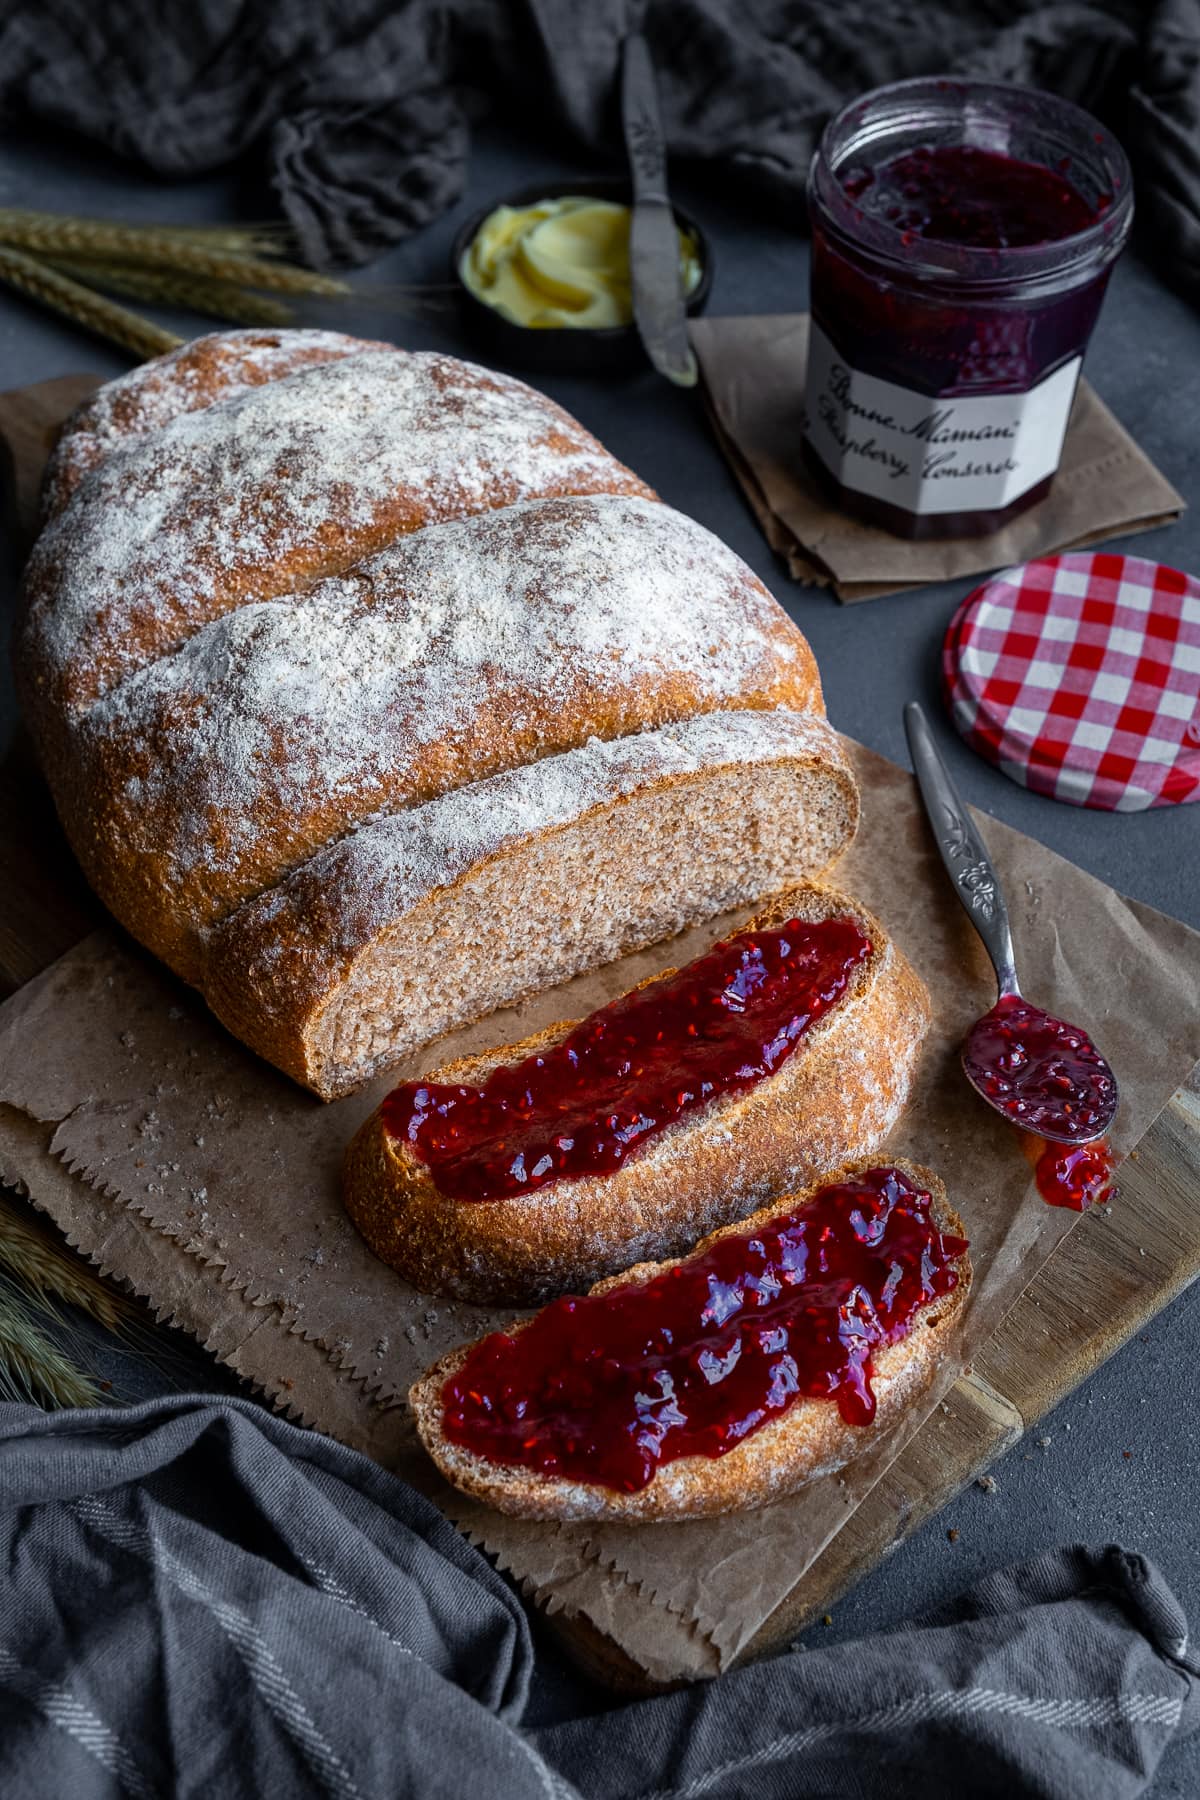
[[609, 1387], [960, 194], [633, 1067], [1043, 1074], [1075, 1175]]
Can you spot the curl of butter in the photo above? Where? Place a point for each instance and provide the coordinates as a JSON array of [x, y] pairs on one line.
[[561, 262]]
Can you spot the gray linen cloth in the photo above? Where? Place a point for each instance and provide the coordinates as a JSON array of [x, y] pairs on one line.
[[359, 111], [200, 1599]]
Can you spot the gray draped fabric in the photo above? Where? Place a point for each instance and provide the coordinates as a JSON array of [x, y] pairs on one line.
[[201, 1600], [360, 108]]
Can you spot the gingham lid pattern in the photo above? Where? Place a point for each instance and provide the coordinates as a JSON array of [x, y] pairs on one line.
[[1079, 677]]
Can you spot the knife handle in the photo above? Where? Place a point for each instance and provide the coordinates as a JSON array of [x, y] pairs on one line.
[[642, 121]]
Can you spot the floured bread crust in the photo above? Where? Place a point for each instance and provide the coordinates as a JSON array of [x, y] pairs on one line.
[[273, 488], [833, 1101], [811, 1438], [185, 380]]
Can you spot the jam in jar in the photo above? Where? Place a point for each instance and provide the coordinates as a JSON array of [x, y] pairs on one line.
[[963, 236]]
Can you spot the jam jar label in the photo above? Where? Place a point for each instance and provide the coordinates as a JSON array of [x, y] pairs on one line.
[[930, 453]]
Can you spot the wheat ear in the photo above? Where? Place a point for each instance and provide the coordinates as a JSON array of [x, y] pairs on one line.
[[44, 234], [40, 1266], [48, 231], [33, 1368], [162, 287], [84, 306]]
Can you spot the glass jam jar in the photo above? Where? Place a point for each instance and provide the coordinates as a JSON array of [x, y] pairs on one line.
[[963, 235]]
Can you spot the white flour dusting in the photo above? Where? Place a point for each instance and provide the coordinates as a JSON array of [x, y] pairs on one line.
[[254, 496], [200, 372], [460, 650]]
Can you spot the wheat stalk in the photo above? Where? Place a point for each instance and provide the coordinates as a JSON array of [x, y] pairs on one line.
[[33, 1368], [47, 235], [44, 230], [41, 1267], [243, 240], [37, 1273], [219, 299], [84, 306]]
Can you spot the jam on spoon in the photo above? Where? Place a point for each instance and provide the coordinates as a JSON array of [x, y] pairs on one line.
[[1041, 1073], [608, 1387], [717, 1026], [1045, 1075]]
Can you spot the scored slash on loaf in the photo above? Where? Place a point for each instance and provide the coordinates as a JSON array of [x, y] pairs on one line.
[[375, 694]]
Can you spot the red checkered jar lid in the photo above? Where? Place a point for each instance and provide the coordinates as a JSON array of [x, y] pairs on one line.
[[1079, 676]]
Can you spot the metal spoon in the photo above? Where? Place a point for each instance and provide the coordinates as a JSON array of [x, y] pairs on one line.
[[1037, 1071]]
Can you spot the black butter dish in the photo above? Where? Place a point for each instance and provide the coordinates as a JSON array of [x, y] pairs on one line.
[[567, 349]]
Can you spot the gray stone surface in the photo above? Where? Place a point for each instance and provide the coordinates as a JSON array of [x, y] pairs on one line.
[[1080, 1484]]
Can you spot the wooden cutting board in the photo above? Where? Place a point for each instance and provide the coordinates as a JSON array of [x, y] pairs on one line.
[[1107, 1279]]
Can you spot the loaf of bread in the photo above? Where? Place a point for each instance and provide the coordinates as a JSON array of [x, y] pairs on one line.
[[808, 1437], [374, 694], [833, 1100]]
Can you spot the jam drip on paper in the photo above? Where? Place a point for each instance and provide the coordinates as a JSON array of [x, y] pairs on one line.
[[609, 1387], [960, 194], [632, 1068], [1074, 1175]]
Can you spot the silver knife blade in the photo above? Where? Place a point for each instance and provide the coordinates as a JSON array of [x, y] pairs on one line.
[[659, 306]]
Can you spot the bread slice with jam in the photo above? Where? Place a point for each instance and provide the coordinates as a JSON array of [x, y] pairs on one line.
[[833, 1100], [613, 1417]]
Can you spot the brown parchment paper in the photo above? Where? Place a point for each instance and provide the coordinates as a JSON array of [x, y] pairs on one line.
[[753, 371], [176, 1159]]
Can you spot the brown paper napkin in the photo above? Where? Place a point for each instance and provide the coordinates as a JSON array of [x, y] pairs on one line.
[[179, 1160], [753, 370]]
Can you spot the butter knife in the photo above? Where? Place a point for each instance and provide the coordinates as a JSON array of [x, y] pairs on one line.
[[659, 307]]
